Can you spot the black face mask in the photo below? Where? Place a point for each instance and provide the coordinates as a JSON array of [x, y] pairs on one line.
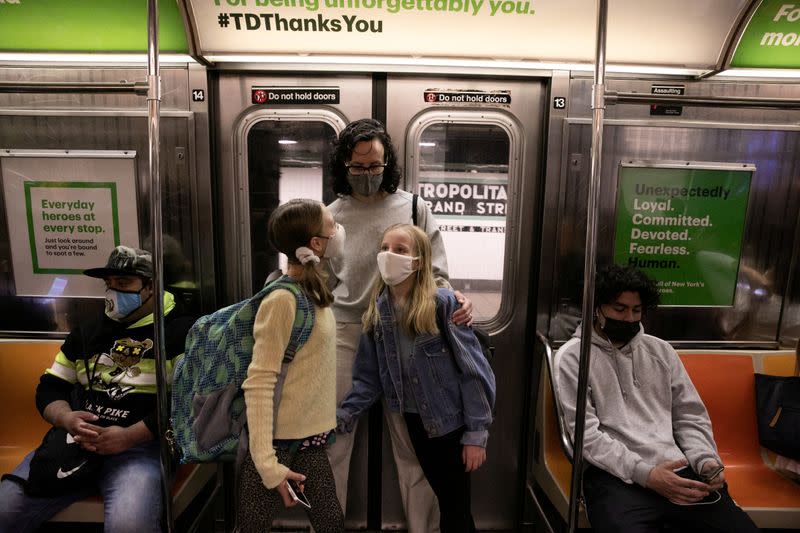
[[620, 330]]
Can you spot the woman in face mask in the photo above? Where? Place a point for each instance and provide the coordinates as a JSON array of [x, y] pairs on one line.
[[428, 369], [366, 176]]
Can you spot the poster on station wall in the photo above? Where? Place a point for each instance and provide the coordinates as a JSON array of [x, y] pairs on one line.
[[66, 211], [683, 223]]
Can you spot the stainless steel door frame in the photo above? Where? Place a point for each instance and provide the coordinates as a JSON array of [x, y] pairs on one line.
[[497, 486], [234, 107]]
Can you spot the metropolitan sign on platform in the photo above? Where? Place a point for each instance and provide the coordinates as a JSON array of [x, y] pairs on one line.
[[683, 224], [77, 205]]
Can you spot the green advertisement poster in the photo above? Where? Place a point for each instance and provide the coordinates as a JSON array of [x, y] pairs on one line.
[[94, 26], [683, 224], [70, 223], [772, 37]]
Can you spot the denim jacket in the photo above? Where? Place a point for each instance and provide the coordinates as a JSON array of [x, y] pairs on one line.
[[453, 382]]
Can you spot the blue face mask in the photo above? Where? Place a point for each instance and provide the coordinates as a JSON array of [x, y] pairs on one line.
[[120, 304]]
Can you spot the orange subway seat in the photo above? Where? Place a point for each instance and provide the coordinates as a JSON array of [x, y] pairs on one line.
[[725, 383], [21, 365]]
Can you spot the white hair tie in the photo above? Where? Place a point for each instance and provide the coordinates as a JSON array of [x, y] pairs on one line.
[[306, 255]]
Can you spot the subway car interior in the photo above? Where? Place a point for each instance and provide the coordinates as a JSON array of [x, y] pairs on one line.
[[548, 137]]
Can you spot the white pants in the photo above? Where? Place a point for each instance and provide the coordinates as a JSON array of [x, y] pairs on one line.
[[419, 502]]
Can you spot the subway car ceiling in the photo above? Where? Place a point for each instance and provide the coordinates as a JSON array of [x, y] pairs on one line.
[[687, 38]]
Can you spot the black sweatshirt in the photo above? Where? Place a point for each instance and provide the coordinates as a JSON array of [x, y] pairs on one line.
[[121, 364]]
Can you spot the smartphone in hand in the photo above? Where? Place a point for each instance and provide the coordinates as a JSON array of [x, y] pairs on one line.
[[713, 496], [708, 477], [297, 494]]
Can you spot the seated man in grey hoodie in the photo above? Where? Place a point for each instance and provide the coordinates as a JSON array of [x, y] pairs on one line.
[[650, 452]]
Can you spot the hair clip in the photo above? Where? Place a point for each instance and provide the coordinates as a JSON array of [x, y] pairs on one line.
[[306, 255]]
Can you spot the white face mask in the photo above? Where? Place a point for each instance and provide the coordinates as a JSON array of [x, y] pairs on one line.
[[335, 246], [395, 268]]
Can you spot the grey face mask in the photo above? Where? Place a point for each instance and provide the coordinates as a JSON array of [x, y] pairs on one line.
[[365, 185]]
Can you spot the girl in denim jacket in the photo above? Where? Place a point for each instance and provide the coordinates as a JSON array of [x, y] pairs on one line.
[[427, 368]]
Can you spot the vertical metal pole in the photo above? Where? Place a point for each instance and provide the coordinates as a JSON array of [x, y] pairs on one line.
[[598, 111], [153, 120]]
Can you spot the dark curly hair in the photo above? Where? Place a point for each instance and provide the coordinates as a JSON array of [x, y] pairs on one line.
[[358, 131], [613, 280]]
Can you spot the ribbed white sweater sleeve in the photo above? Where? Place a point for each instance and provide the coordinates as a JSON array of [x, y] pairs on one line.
[[271, 331]]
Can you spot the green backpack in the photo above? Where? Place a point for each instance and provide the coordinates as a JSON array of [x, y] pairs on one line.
[[208, 409]]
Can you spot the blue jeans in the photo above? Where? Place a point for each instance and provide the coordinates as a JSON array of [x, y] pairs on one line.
[[130, 483]]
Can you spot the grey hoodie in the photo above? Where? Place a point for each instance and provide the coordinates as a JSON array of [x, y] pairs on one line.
[[642, 408]]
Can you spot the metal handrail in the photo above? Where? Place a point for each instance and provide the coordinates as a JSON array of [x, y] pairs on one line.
[[598, 114], [539, 509], [621, 97], [134, 87], [154, 152], [566, 444]]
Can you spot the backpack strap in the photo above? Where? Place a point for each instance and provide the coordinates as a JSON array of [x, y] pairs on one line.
[[303, 316], [414, 200], [301, 330], [303, 319]]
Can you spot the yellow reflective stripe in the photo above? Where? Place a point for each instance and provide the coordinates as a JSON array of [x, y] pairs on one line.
[[144, 382], [63, 368], [169, 305], [63, 359]]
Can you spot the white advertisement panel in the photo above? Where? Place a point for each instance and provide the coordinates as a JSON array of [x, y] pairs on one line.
[[689, 33], [66, 211]]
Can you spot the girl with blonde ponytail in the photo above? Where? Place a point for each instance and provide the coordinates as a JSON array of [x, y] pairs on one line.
[[427, 368], [287, 445]]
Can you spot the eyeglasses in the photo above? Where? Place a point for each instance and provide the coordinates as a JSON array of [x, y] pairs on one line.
[[336, 227], [358, 170]]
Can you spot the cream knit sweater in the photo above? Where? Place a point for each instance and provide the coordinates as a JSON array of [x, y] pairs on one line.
[[308, 402]]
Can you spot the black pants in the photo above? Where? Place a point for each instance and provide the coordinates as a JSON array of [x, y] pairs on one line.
[[614, 506], [440, 459]]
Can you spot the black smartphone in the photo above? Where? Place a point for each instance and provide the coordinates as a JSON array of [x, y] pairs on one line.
[[713, 496], [688, 473], [297, 494], [711, 476]]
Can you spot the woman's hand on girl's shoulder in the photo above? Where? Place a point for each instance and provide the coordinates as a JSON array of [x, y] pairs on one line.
[[463, 315], [473, 457]]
